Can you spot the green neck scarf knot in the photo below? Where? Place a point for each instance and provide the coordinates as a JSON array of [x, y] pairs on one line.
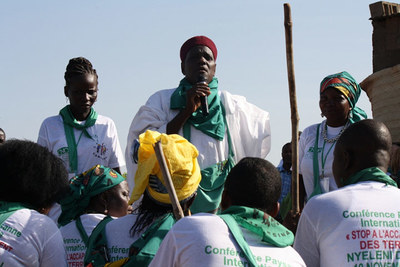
[[370, 174], [69, 124], [260, 223], [213, 124]]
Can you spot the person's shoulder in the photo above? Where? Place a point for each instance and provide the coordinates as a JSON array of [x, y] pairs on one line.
[[280, 168], [35, 219], [238, 103], [52, 120], [310, 129], [101, 119], [227, 96], [161, 96], [163, 93], [327, 201], [196, 220], [92, 218], [128, 219], [68, 228]]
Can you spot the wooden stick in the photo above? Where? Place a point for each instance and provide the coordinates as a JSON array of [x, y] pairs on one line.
[[293, 109], [176, 207]]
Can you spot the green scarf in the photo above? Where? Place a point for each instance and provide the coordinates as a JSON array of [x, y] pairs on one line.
[[8, 208], [85, 186], [370, 174], [262, 224], [143, 250], [69, 124], [213, 124], [11, 206]]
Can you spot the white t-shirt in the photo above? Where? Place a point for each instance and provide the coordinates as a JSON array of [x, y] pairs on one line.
[[248, 125], [119, 238], [357, 225], [74, 245], [306, 148], [103, 149], [205, 240], [28, 238]]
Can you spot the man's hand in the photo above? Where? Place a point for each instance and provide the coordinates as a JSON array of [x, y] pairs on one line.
[[192, 104], [193, 96]]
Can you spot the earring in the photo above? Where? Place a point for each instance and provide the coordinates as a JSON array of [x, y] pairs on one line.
[[322, 115]]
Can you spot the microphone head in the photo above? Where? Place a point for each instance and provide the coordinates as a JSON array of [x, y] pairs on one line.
[[202, 78]]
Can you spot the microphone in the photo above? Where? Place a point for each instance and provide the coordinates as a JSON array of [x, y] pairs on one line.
[[203, 99]]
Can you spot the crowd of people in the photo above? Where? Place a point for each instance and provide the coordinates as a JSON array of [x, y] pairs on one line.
[[64, 202]]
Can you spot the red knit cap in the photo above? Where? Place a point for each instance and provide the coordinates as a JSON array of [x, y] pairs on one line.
[[198, 40]]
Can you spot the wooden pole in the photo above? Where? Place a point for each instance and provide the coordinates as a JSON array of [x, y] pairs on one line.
[[176, 207], [293, 109]]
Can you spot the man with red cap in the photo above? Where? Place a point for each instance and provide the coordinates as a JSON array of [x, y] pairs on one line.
[[229, 130]]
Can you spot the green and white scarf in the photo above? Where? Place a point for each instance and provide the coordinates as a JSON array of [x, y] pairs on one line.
[[212, 125], [8, 208], [260, 223], [370, 174], [69, 124]]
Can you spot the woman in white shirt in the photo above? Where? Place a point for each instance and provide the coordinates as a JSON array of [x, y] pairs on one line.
[[339, 94], [94, 196], [32, 179]]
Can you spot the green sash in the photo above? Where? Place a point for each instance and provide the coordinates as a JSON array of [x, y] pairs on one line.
[[143, 250], [317, 187], [370, 174], [8, 208], [82, 231], [212, 125], [213, 178], [69, 124], [96, 250], [238, 235], [267, 228]]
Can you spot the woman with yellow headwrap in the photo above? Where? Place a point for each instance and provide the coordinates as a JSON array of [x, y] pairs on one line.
[[139, 235], [94, 195]]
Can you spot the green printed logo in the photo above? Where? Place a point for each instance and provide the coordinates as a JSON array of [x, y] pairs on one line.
[[62, 151], [10, 230], [374, 218], [232, 257], [311, 149]]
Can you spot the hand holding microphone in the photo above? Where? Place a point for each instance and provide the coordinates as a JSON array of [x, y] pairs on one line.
[[203, 99]]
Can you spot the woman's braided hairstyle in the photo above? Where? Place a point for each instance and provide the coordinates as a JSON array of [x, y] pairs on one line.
[[78, 66]]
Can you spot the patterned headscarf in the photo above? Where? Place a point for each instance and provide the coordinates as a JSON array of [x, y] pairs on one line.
[[181, 158], [85, 186], [347, 85]]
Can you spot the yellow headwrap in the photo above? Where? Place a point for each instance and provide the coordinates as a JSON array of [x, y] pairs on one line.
[[181, 158]]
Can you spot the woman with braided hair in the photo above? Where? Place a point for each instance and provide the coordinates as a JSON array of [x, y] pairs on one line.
[[78, 135]]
